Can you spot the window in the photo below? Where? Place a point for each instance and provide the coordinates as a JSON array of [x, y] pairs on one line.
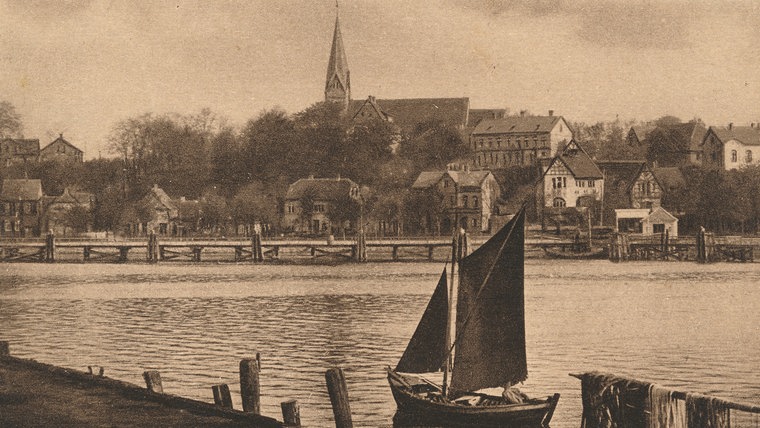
[[580, 183], [591, 183], [748, 156], [559, 182], [474, 201], [558, 203], [453, 200], [464, 201], [734, 156], [291, 209], [474, 222], [319, 208]]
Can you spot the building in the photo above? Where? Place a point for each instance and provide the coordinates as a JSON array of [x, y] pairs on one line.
[[646, 221], [60, 150], [19, 151], [465, 198], [68, 213], [675, 144], [20, 207], [572, 180], [321, 205], [518, 140], [638, 134], [732, 147], [630, 184], [155, 212]]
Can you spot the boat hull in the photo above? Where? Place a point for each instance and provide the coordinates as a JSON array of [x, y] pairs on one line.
[[414, 410], [593, 254]]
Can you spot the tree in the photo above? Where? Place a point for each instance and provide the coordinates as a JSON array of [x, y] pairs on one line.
[[433, 145], [344, 210], [77, 218], [423, 211], [254, 203], [269, 149], [10, 121]]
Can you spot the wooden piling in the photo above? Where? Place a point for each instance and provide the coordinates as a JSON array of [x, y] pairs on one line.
[[153, 381], [50, 247], [291, 415], [336, 388], [222, 396], [360, 253], [152, 255], [86, 253], [257, 254], [5, 350], [430, 253], [123, 254], [197, 254], [250, 387]]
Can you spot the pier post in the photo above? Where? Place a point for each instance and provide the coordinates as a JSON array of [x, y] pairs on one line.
[[153, 381], [256, 253], [291, 415], [430, 253], [86, 252], [197, 254], [50, 247], [250, 387], [222, 395], [336, 388], [700, 240], [123, 252], [360, 250], [4, 348], [394, 253]]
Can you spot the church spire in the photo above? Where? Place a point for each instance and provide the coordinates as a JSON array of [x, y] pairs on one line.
[[338, 82]]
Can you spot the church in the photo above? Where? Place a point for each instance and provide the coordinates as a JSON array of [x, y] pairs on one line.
[[407, 113]]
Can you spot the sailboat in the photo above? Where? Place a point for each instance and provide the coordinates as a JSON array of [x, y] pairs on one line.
[[489, 344]]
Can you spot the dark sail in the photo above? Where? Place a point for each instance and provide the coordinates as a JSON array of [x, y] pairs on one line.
[[490, 338], [427, 348]]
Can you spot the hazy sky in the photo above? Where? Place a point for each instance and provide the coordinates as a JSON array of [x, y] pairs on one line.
[[78, 66]]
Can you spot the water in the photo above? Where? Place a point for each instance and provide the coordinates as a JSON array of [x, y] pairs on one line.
[[686, 326]]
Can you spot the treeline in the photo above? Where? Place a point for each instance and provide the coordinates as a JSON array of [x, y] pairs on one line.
[[241, 175]]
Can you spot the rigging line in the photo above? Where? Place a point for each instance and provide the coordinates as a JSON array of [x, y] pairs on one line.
[[485, 281]]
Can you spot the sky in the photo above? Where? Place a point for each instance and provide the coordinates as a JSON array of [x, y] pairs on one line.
[[78, 67]]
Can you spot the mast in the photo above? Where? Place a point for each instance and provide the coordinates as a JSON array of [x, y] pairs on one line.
[[450, 312]]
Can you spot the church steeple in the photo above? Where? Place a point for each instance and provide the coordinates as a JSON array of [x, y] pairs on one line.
[[338, 83]]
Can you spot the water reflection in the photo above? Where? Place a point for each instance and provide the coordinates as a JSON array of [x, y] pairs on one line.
[[683, 325]]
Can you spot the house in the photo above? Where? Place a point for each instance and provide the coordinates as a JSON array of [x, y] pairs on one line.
[[646, 221], [408, 114], [466, 198], [155, 212], [19, 151], [630, 184], [675, 144], [518, 140], [732, 147], [321, 205], [67, 213], [61, 150], [638, 134], [20, 207], [571, 180]]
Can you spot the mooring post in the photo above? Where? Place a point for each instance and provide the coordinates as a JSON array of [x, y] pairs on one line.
[[197, 254], [123, 251], [222, 396], [250, 387], [5, 350], [430, 253], [50, 247], [256, 253], [291, 415], [336, 388], [153, 381], [86, 253]]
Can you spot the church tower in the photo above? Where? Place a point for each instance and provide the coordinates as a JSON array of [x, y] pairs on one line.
[[338, 83]]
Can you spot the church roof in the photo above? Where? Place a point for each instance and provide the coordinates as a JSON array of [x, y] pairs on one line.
[[517, 125], [409, 113], [338, 64]]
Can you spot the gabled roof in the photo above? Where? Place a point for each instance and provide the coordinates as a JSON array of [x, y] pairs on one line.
[[409, 113], [322, 189], [478, 115], [517, 125], [164, 199], [578, 162], [71, 197], [747, 135], [621, 171], [669, 177], [370, 103], [23, 189], [467, 178], [60, 139], [689, 135], [659, 216], [641, 131], [25, 146]]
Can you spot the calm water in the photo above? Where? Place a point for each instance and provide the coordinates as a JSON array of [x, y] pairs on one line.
[[686, 326]]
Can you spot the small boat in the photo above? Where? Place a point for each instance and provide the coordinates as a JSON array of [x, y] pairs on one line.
[[489, 344], [594, 253]]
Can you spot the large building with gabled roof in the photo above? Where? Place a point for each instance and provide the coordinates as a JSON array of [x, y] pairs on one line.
[[572, 179], [61, 150], [732, 147]]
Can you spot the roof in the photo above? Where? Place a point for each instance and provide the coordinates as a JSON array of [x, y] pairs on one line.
[[669, 177], [579, 162], [24, 189], [338, 64], [478, 115], [162, 197], [408, 113], [659, 216], [747, 135], [25, 146], [60, 139], [621, 171], [688, 136], [461, 178], [517, 125], [641, 131], [323, 189]]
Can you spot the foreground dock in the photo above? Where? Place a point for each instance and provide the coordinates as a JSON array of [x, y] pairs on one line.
[[33, 394]]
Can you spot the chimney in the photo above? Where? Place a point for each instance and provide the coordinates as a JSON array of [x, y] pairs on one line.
[[522, 113], [61, 135], [731, 125], [551, 113]]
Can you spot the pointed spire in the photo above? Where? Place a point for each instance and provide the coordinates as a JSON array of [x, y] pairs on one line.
[[338, 82]]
